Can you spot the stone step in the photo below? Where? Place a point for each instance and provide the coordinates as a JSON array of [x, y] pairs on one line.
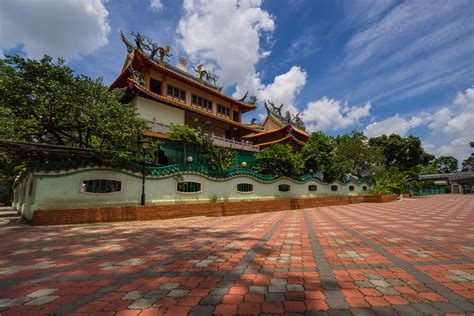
[[8, 214]]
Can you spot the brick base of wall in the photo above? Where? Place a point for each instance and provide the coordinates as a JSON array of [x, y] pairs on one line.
[[155, 212]]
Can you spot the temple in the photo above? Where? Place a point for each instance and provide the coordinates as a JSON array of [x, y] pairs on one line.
[[165, 95], [279, 129]]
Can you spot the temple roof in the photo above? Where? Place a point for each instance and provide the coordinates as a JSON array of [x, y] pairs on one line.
[[287, 127], [275, 114], [137, 57]]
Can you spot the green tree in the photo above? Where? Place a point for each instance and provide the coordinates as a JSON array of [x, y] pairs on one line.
[[216, 158], [446, 164], [468, 164], [428, 169], [45, 102], [391, 181], [319, 154], [279, 160], [354, 150], [403, 153]]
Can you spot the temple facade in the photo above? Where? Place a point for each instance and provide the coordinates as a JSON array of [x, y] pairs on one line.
[[165, 94]]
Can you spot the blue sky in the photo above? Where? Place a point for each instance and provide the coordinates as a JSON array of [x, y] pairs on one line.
[[404, 67]]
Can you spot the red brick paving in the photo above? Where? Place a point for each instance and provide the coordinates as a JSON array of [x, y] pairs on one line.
[[409, 257]]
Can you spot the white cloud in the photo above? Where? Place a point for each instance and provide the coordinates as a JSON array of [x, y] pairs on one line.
[[284, 88], [330, 114], [407, 48], [156, 5], [450, 126], [59, 28], [393, 125], [226, 33]]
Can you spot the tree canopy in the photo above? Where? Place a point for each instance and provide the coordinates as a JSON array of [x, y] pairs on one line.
[[446, 164], [45, 102], [279, 160], [354, 150], [468, 164], [400, 152]]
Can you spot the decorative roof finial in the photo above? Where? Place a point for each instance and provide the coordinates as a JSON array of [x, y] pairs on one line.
[[183, 63]]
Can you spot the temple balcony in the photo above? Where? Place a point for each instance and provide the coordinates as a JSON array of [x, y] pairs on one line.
[[218, 140]]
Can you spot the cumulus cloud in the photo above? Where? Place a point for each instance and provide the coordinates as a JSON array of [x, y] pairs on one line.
[[393, 125], [59, 28], [450, 126], [228, 34], [330, 114], [156, 5], [284, 88]]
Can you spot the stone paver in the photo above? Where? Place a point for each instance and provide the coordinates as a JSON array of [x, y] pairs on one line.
[[411, 257]]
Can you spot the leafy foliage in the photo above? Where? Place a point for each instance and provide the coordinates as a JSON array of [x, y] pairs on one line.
[[279, 160], [392, 181], [216, 158], [45, 102], [446, 164], [402, 153], [320, 157], [354, 150], [468, 164]]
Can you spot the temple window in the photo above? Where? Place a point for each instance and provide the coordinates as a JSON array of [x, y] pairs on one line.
[[351, 188], [312, 187], [236, 116], [364, 188], [101, 186], [244, 187], [176, 93], [222, 110], [155, 86], [188, 187], [284, 188], [202, 103], [334, 187]]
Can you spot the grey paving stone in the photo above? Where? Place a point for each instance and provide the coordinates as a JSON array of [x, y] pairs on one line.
[[339, 312], [384, 311], [364, 284], [202, 310], [274, 297], [9, 302], [277, 288], [258, 289], [362, 312], [154, 294], [294, 287], [178, 293], [169, 286], [336, 303], [211, 300], [387, 290], [278, 281], [219, 291], [406, 310], [42, 292], [427, 308], [134, 295], [142, 303], [41, 300]]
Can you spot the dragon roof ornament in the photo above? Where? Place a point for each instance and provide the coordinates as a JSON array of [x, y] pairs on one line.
[[284, 119]]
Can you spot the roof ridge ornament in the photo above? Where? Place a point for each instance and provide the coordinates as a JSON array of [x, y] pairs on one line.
[[288, 118]]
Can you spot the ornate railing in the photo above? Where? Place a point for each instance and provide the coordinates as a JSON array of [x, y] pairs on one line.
[[218, 141]]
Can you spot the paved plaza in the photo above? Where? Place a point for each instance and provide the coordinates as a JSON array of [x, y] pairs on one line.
[[411, 257]]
